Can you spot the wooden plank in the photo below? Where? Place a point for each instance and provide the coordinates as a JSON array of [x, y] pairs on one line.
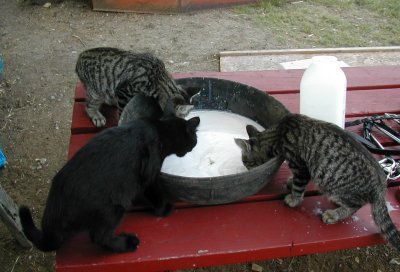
[[9, 215], [192, 237], [287, 81], [310, 51], [77, 141], [80, 92], [81, 123], [300, 58], [358, 103]]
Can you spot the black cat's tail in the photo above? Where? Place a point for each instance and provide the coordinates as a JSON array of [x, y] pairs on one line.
[[382, 219], [43, 240]]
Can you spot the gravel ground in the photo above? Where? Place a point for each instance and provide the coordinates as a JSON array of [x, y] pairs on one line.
[[40, 47]]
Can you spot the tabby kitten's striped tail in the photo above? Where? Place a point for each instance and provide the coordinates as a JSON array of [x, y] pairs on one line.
[[382, 219], [43, 240]]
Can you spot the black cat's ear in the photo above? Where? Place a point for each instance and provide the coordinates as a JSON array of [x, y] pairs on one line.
[[193, 123], [243, 144], [251, 131]]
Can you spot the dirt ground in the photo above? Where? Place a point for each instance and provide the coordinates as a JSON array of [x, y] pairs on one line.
[[40, 47]]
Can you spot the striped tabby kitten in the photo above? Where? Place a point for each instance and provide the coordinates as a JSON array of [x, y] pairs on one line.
[[113, 76], [342, 168]]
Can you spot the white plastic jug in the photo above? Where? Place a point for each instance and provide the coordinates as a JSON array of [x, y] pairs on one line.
[[323, 91]]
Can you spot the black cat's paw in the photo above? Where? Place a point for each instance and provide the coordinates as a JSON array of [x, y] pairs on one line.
[[131, 241], [164, 210]]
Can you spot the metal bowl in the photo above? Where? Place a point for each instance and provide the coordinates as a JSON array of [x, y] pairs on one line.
[[230, 96]]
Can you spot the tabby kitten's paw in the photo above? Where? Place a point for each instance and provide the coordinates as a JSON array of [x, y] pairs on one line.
[[330, 217], [97, 118], [292, 201], [99, 121]]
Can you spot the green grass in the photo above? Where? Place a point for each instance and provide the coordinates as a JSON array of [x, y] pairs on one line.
[[384, 7], [329, 23]]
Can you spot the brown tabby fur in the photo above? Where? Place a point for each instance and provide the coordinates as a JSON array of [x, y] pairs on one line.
[[341, 167]]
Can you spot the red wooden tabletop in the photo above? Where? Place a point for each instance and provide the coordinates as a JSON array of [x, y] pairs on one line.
[[259, 227]]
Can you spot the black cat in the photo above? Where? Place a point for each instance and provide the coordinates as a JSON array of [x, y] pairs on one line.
[[140, 106], [93, 190]]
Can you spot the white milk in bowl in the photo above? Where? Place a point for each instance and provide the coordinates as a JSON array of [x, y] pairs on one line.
[[216, 153]]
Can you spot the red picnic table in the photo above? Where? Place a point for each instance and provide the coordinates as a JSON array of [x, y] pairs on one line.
[[259, 227]]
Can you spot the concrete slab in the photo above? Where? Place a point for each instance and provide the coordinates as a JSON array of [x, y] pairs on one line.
[[299, 58]]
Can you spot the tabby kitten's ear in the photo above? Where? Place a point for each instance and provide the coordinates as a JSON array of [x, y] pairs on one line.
[[192, 90], [189, 91], [252, 131], [243, 144], [193, 123], [183, 110], [253, 142]]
